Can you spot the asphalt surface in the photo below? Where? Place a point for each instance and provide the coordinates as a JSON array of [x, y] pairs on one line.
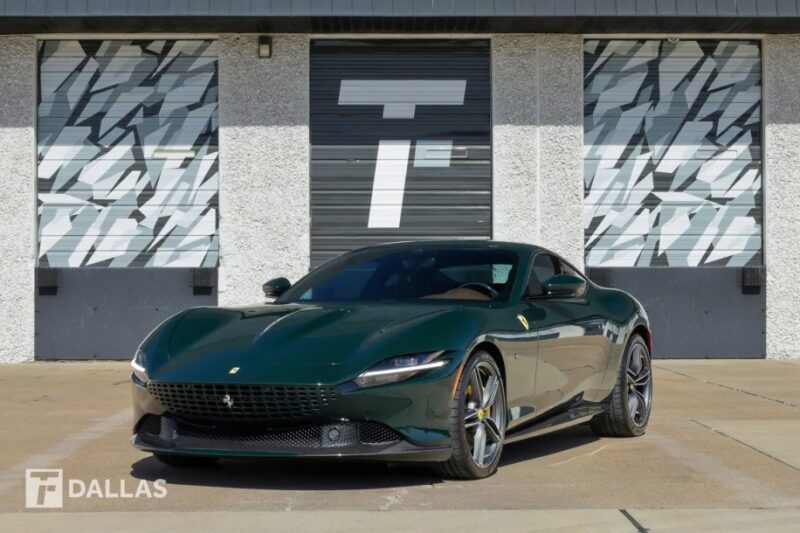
[[722, 451]]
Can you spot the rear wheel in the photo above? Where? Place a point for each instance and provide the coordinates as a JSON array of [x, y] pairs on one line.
[[477, 420], [185, 461], [631, 400]]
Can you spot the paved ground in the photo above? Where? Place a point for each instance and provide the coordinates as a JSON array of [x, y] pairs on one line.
[[722, 452]]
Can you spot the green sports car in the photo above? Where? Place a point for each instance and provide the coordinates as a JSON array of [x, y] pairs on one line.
[[435, 352]]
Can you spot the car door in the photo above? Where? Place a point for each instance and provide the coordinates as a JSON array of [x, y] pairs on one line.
[[573, 350]]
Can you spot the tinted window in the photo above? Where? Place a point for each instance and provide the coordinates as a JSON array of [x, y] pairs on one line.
[[567, 269], [544, 267], [411, 274]]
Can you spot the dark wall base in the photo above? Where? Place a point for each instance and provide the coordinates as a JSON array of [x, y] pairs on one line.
[[696, 312], [105, 313]]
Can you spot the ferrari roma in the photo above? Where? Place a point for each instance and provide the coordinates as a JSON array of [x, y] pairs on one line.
[[435, 352]]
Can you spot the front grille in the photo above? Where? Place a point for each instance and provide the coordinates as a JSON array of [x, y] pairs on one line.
[[351, 434], [372, 433], [260, 403], [235, 437]]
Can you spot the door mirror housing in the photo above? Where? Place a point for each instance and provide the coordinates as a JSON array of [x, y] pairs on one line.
[[275, 287], [564, 285]]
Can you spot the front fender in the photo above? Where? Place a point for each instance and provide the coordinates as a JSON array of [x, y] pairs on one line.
[[637, 321]]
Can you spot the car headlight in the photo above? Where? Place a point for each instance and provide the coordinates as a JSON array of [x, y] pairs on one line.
[[399, 368], [138, 361]]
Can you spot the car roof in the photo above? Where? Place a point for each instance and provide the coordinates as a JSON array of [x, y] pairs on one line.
[[459, 243]]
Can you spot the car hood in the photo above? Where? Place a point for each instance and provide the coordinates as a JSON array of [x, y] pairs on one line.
[[304, 344]]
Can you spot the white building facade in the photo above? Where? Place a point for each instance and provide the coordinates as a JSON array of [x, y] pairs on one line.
[[155, 161]]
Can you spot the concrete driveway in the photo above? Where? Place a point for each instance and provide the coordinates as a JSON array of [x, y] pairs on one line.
[[722, 452]]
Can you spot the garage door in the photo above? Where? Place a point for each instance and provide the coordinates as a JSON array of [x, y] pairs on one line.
[[673, 206], [127, 178], [127, 137], [401, 145]]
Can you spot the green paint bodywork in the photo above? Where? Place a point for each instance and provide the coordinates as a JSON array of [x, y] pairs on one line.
[[570, 351]]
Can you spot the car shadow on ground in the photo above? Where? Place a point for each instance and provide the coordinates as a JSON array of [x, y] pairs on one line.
[[293, 474], [552, 443]]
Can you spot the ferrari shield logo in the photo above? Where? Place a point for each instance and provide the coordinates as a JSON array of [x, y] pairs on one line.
[[233, 370], [524, 322]]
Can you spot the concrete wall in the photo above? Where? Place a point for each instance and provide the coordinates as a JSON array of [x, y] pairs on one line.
[[264, 187], [781, 190], [515, 154], [538, 141], [561, 145], [18, 216]]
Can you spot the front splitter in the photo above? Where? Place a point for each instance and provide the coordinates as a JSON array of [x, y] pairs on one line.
[[397, 452]]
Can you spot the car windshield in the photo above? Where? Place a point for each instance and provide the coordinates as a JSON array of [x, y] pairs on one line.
[[377, 275]]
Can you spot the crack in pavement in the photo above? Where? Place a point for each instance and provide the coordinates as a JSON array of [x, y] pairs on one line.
[[735, 389], [762, 452], [635, 523], [750, 490]]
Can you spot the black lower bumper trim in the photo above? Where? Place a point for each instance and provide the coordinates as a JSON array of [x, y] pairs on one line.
[[355, 440]]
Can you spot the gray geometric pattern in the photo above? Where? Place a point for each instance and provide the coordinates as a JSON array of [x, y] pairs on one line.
[[128, 153], [672, 153]]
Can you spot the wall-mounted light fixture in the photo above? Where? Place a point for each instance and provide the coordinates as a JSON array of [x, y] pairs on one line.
[[264, 46]]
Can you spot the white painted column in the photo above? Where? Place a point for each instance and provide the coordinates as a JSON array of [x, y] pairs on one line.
[[18, 186], [781, 58], [264, 165], [515, 147], [561, 145], [538, 141]]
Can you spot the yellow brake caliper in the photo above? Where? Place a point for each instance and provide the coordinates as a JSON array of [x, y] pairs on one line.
[[482, 413]]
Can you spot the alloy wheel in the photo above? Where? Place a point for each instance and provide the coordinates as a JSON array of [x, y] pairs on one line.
[[484, 414], [639, 387]]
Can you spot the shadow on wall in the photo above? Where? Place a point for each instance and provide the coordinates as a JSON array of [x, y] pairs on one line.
[[261, 91]]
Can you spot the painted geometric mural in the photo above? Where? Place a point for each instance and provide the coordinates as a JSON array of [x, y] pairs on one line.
[[127, 153], [672, 152]]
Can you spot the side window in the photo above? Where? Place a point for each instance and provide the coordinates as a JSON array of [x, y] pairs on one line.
[[567, 269], [544, 267]]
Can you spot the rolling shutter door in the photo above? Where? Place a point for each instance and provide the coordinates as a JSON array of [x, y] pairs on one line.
[[673, 153], [401, 146], [127, 142], [127, 177], [673, 207]]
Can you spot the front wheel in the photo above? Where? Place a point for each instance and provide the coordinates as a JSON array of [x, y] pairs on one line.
[[477, 420], [629, 409]]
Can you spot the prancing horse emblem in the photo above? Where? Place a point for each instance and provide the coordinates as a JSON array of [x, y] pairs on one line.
[[228, 401]]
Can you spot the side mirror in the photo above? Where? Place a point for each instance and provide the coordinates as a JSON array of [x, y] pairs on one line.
[[275, 287], [564, 285]]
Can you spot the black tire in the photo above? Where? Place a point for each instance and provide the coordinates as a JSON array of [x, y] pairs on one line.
[[461, 464], [618, 421], [185, 461]]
